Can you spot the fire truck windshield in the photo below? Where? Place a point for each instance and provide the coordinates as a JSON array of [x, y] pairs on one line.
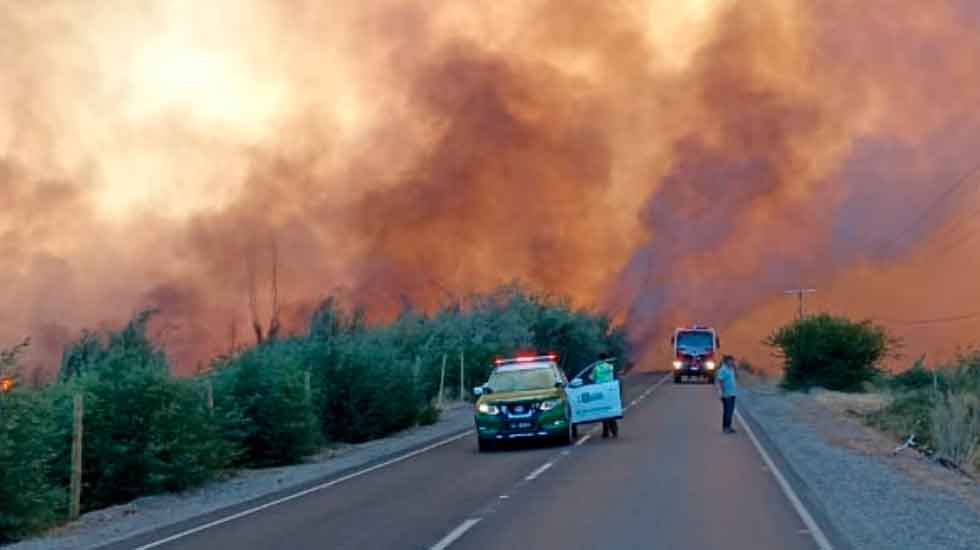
[[695, 340]]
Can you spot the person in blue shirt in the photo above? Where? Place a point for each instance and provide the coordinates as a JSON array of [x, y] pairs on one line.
[[725, 379]]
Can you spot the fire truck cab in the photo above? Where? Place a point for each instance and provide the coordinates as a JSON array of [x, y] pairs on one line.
[[694, 353]]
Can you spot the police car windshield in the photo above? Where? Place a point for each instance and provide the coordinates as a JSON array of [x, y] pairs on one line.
[[695, 340], [523, 379]]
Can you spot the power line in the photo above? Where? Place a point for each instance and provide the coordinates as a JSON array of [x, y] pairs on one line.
[[956, 186], [936, 320]]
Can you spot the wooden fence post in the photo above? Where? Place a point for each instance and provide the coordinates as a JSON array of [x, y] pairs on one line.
[[442, 380], [308, 385], [75, 506], [462, 386]]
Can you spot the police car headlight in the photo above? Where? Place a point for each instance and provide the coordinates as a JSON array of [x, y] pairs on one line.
[[488, 409], [550, 404], [678, 364], [710, 365]]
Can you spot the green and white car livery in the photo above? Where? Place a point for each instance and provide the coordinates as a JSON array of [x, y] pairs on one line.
[[525, 397]]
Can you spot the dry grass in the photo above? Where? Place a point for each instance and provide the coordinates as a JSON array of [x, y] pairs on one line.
[[955, 422], [855, 404]]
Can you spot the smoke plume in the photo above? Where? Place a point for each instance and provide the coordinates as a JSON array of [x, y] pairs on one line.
[[667, 162]]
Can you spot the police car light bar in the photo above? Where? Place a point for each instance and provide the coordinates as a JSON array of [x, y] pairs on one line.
[[527, 359]]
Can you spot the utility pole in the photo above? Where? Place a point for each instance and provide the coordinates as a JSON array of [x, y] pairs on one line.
[[800, 293]]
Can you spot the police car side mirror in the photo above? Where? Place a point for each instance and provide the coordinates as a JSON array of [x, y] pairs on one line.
[[577, 383]]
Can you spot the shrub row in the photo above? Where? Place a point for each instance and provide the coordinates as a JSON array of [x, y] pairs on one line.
[[147, 432]]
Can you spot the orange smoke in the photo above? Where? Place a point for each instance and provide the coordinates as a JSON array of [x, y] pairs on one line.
[[664, 161]]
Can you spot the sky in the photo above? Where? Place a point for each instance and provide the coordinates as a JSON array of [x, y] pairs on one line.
[[665, 162]]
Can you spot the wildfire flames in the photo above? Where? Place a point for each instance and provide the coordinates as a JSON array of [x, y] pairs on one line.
[[668, 162]]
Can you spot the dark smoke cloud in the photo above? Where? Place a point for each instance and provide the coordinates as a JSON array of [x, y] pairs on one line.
[[664, 162]]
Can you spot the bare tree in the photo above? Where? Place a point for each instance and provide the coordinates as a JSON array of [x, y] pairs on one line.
[[232, 335], [252, 298], [274, 325]]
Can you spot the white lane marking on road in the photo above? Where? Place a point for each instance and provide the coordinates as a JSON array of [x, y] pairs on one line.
[[455, 534], [647, 392], [818, 535], [304, 492], [542, 469]]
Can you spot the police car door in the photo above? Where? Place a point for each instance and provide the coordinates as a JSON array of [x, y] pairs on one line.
[[594, 402]]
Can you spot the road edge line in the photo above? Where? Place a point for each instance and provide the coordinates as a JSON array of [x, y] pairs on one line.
[[811, 524], [304, 492]]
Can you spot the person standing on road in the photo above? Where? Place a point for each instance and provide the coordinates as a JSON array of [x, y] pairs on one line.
[[725, 379], [603, 372]]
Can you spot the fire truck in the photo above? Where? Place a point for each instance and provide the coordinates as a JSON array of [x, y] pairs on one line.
[[694, 353]]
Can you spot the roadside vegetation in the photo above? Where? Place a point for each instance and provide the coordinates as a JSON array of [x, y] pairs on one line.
[[276, 403], [938, 408], [830, 352]]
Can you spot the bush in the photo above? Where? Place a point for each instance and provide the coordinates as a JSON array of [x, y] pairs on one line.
[[262, 403], [831, 352], [917, 377], [428, 415], [30, 498], [365, 391], [908, 413], [145, 432]]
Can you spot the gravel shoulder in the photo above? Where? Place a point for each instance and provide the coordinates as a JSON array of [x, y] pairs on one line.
[[876, 499], [147, 514]]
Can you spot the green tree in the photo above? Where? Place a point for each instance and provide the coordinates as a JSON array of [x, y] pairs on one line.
[[832, 352], [30, 499], [145, 432], [262, 396]]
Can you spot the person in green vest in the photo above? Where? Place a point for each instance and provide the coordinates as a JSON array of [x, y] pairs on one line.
[[604, 372]]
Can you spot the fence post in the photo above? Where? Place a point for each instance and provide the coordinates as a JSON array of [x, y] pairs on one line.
[[75, 505], [308, 386], [442, 380], [462, 386]]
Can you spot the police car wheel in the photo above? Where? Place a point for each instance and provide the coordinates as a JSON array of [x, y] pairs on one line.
[[568, 437], [483, 445]]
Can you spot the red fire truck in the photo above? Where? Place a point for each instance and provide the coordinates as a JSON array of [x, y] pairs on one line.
[[695, 351]]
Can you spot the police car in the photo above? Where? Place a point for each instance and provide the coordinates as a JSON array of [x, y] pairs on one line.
[[525, 397], [529, 397]]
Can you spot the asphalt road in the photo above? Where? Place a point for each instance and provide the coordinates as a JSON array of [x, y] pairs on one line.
[[671, 480]]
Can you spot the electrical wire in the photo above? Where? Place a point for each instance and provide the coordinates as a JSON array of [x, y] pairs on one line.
[[957, 185]]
